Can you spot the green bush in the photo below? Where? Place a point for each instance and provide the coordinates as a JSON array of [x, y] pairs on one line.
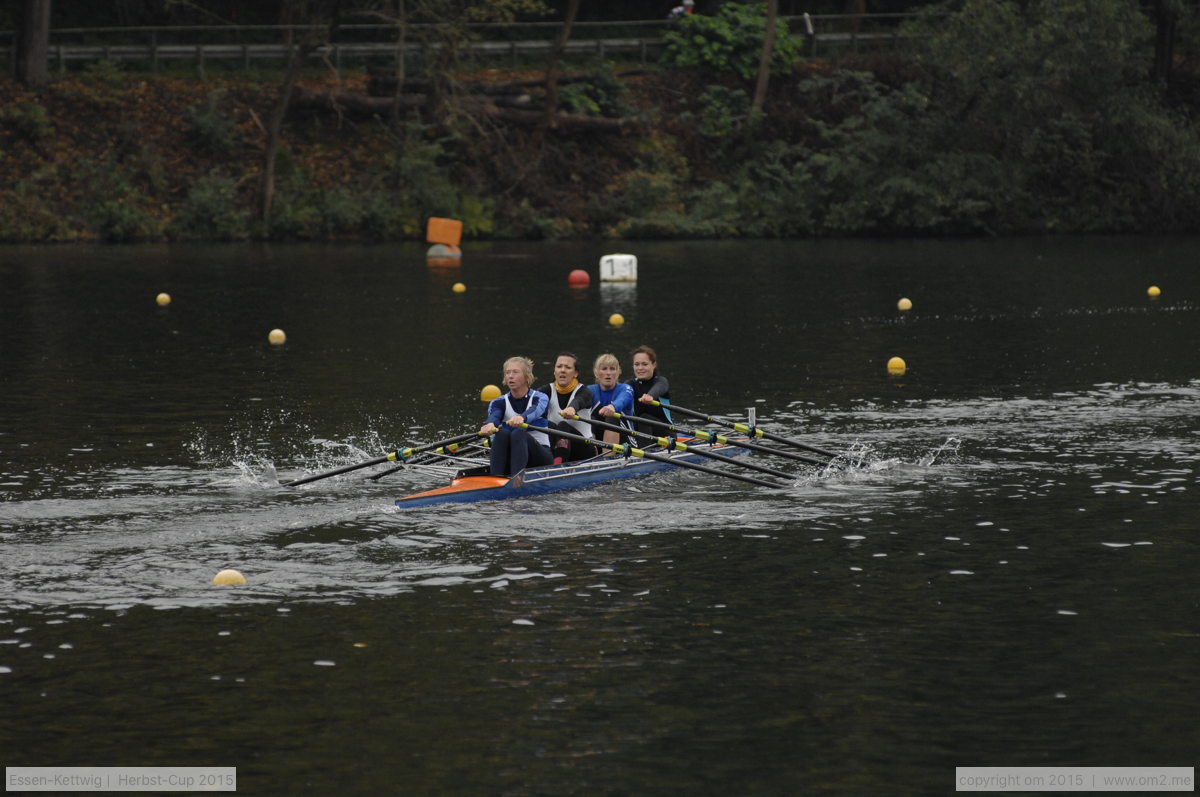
[[121, 220], [28, 122], [212, 210], [26, 217], [601, 94], [208, 129], [730, 42]]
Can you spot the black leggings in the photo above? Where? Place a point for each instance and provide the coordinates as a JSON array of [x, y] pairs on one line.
[[575, 450], [514, 449]]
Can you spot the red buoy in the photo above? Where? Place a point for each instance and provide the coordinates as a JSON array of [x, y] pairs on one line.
[[578, 279]]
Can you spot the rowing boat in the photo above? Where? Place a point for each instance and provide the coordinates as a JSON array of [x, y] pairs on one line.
[[476, 484]]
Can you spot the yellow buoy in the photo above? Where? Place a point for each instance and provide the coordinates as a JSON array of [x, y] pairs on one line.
[[228, 578], [458, 287], [1153, 291], [904, 304], [277, 337], [489, 392], [163, 299], [616, 319], [896, 365]]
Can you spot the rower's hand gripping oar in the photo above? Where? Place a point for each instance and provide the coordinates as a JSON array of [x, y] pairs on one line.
[[637, 452], [753, 431], [399, 454], [674, 445], [712, 437]]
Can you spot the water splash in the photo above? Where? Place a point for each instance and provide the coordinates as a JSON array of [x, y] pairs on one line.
[[947, 450]]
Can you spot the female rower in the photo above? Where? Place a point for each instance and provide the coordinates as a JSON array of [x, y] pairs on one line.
[[649, 386], [609, 394], [570, 408], [514, 448]]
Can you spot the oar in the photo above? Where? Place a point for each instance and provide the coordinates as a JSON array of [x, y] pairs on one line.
[[398, 454], [753, 431], [712, 437], [637, 452], [443, 453], [674, 445]]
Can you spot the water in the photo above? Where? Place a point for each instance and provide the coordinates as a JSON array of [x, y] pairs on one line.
[[1008, 579]]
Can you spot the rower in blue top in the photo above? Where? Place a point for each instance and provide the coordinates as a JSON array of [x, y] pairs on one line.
[[610, 395], [514, 448]]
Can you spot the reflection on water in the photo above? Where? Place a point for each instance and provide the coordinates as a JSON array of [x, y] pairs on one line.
[[1005, 576]]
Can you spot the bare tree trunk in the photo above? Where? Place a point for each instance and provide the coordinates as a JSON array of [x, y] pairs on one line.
[[401, 35], [274, 128], [764, 63], [1166, 18], [33, 43], [552, 71]]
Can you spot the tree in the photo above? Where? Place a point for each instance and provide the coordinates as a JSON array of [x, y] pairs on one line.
[[1166, 20], [33, 43], [292, 13], [555, 56], [764, 63]]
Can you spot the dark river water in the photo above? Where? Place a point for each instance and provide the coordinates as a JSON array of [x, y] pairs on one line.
[[1009, 577]]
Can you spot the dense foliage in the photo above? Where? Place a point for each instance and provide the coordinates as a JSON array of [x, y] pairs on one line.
[[729, 41], [1000, 117]]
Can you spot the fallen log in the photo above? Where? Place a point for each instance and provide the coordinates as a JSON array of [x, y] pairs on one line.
[[357, 104], [382, 84], [564, 122], [352, 102]]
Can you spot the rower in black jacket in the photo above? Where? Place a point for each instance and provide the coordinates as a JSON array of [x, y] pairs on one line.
[[648, 386]]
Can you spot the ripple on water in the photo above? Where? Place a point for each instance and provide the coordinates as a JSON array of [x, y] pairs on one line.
[[154, 536]]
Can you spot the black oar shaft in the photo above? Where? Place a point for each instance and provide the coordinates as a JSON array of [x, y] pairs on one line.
[[674, 445], [398, 454], [637, 452], [704, 434], [445, 452], [746, 429]]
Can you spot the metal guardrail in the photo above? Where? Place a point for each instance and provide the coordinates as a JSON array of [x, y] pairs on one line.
[[824, 33], [157, 54]]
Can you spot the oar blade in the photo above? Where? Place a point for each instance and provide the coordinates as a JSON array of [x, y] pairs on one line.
[[399, 454]]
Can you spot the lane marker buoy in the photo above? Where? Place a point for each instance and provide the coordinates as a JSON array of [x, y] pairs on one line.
[[228, 578]]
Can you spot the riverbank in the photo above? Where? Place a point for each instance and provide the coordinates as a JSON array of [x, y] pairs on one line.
[[883, 146]]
